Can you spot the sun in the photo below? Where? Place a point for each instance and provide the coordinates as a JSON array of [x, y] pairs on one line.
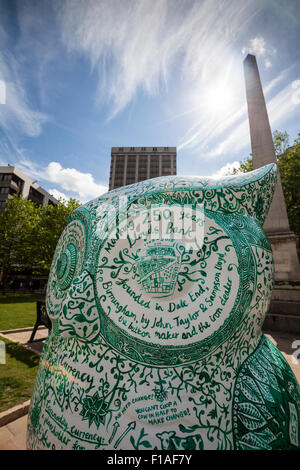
[[218, 98]]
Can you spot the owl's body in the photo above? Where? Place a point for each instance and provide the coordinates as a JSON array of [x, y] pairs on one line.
[[157, 294]]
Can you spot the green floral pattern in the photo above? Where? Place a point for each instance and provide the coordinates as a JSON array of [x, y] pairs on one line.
[[157, 345]]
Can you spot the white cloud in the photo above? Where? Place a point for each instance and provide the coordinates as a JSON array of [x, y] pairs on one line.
[[2, 92], [275, 81], [235, 142], [226, 170], [259, 47], [81, 184], [71, 179], [17, 113], [282, 106], [231, 132], [133, 45], [58, 194], [206, 133]]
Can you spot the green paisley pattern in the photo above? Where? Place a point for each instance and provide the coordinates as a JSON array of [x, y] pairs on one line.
[[266, 398], [157, 343]]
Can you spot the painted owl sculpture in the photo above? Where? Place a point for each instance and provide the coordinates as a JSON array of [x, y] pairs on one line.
[[157, 295]]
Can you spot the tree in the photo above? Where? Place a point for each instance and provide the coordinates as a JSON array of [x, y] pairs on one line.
[[18, 224], [289, 168], [288, 160], [53, 220], [281, 142], [29, 234], [245, 166]]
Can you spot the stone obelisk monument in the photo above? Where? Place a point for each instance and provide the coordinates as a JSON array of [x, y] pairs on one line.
[[283, 240]]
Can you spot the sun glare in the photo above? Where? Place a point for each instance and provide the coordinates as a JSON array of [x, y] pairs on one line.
[[219, 98]]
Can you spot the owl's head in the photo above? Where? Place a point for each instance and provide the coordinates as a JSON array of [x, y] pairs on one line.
[[164, 270]]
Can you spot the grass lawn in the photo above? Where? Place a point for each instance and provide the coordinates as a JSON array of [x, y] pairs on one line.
[[18, 310], [17, 376]]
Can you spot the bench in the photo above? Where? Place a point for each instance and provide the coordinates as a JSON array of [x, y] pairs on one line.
[[42, 318]]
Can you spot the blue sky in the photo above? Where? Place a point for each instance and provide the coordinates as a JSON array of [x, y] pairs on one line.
[[83, 76]]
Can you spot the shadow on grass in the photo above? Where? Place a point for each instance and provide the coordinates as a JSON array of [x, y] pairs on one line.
[[20, 298], [16, 351]]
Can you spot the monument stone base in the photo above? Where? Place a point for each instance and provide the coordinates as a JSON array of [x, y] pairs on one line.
[[284, 311], [284, 245]]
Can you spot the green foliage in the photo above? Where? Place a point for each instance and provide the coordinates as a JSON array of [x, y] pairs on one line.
[[53, 220], [281, 142], [245, 166], [289, 167], [18, 225], [29, 234], [288, 160]]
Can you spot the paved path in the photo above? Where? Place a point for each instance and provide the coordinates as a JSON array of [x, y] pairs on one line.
[[22, 336], [13, 435]]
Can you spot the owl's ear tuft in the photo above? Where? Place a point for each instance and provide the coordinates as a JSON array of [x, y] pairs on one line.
[[258, 186], [248, 194]]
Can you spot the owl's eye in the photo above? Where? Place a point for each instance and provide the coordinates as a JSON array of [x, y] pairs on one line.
[[66, 266]]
